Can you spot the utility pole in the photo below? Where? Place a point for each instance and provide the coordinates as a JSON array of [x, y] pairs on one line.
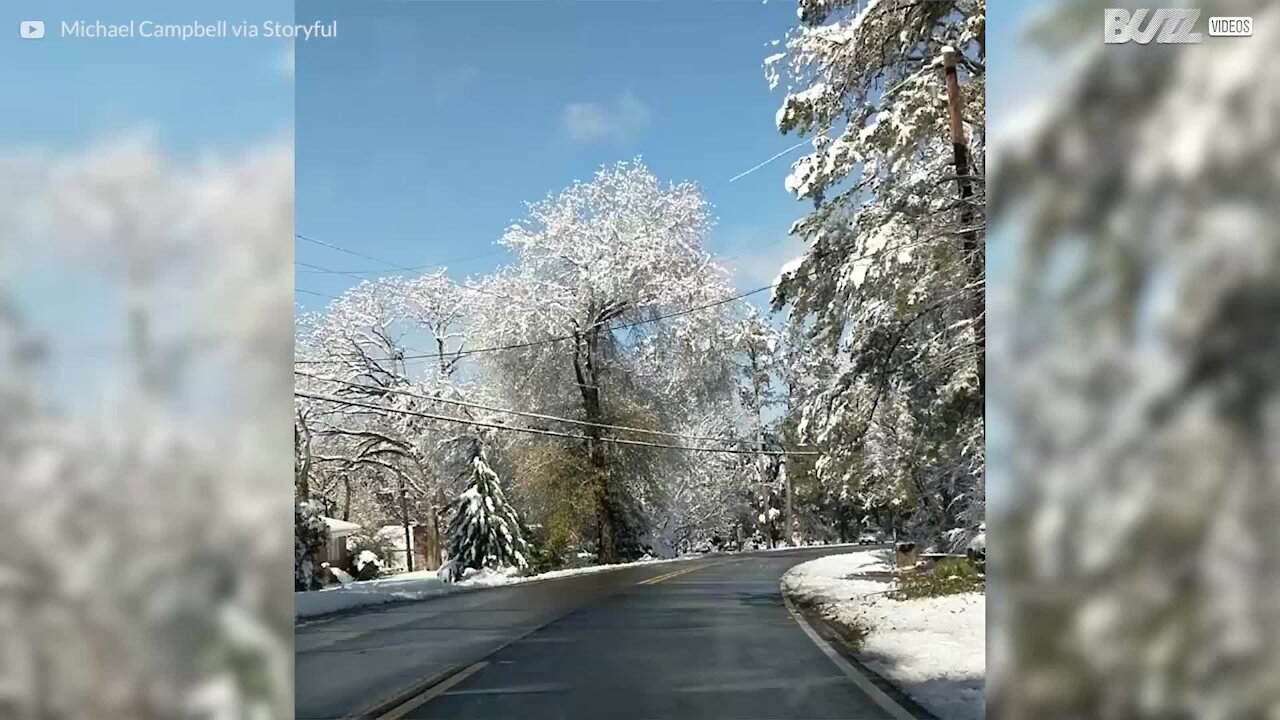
[[786, 478], [408, 529], [975, 254]]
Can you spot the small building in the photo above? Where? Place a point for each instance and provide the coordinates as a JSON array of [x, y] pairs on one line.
[[335, 551], [425, 557]]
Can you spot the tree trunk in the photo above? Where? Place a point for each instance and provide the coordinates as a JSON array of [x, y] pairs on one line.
[[586, 367], [433, 539], [586, 370], [302, 469]]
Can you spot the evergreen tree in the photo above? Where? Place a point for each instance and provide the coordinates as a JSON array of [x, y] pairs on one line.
[[484, 531], [1143, 476], [309, 536], [890, 291]]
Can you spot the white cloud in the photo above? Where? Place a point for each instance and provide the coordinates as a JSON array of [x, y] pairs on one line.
[[287, 62], [594, 121]]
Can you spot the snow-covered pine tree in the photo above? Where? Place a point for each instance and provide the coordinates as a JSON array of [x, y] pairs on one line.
[[1138, 544], [309, 536], [891, 287], [484, 531]]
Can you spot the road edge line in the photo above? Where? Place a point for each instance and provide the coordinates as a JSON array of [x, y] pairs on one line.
[[880, 697]]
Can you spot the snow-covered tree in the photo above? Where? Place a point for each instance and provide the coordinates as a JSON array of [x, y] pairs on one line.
[[309, 537], [599, 268], [891, 287], [1142, 377], [707, 495], [356, 350], [147, 538], [484, 530]]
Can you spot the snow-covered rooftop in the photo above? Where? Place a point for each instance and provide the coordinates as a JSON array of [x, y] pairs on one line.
[[340, 528]]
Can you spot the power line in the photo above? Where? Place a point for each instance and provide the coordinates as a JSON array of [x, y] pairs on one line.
[[450, 280], [520, 413], [316, 269], [516, 346], [562, 338], [313, 292], [539, 431], [625, 326], [352, 253]]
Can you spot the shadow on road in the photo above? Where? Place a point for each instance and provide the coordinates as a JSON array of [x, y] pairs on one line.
[[760, 599]]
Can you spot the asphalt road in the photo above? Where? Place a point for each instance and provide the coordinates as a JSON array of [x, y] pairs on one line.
[[707, 638]]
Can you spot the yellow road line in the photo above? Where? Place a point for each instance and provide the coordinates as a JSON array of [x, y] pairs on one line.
[[668, 576], [432, 693]]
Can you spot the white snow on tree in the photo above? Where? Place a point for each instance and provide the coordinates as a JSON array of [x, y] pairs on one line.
[[890, 292], [596, 307], [484, 531], [309, 535], [145, 541], [1140, 542]]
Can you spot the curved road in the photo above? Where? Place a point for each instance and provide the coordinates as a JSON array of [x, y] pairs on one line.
[[706, 638]]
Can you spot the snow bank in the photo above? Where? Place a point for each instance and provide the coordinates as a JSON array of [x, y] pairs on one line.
[[425, 584], [934, 649], [409, 586]]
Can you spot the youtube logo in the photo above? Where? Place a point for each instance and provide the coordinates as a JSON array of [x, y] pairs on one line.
[[31, 29]]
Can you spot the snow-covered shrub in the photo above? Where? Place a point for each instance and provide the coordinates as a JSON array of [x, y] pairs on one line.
[[309, 536], [369, 554], [329, 575], [368, 565]]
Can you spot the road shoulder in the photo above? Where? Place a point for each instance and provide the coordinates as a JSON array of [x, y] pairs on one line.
[[929, 654]]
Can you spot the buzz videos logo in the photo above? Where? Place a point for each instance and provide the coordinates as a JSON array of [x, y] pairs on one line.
[[1167, 26]]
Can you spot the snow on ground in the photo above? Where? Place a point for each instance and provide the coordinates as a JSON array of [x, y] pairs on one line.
[[934, 649], [422, 585]]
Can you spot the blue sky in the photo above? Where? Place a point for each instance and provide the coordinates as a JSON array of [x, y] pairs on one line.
[[1017, 73], [425, 127], [218, 97], [197, 96]]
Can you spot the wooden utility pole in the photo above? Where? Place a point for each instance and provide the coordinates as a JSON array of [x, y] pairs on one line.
[[408, 529], [975, 252], [786, 478]]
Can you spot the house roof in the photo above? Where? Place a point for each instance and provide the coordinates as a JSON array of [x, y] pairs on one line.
[[341, 528], [394, 535]]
